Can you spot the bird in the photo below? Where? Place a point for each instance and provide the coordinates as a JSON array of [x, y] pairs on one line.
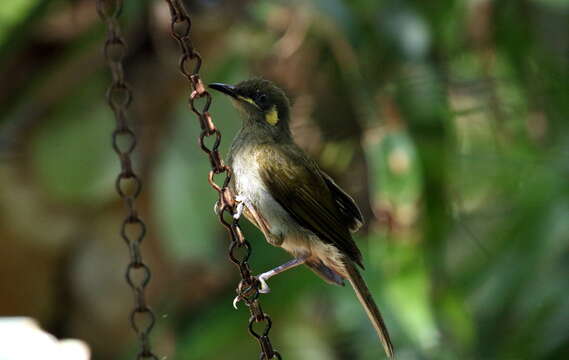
[[285, 194]]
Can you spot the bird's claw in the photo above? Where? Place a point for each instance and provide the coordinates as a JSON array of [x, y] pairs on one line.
[[240, 200], [236, 301], [238, 211], [264, 289]]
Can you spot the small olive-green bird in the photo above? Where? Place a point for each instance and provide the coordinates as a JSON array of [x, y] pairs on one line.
[[296, 205]]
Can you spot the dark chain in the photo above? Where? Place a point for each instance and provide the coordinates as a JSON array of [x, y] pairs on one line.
[[240, 249], [128, 184]]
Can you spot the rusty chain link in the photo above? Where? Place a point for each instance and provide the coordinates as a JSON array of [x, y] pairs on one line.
[[248, 288], [128, 184]]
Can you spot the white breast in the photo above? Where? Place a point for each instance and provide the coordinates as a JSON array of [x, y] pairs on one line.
[[297, 240], [248, 183]]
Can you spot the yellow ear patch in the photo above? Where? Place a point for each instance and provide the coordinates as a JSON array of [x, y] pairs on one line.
[[272, 116]]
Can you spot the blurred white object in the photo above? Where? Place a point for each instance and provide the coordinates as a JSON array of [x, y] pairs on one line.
[[22, 339]]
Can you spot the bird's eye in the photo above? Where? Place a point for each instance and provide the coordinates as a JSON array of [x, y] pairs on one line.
[[262, 101]]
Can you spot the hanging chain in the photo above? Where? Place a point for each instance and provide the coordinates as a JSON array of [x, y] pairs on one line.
[[128, 184], [240, 249]]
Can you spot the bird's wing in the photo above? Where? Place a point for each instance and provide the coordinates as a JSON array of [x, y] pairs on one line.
[[296, 184], [351, 214]]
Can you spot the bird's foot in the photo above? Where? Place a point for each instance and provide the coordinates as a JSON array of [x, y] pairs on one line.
[[262, 278], [264, 289], [241, 203]]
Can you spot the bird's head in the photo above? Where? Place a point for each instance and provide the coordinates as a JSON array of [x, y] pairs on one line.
[[262, 104]]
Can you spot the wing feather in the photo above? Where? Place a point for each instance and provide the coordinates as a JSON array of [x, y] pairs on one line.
[[351, 213], [297, 184]]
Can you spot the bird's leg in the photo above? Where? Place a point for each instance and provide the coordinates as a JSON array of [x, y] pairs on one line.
[[269, 274], [257, 219], [279, 269]]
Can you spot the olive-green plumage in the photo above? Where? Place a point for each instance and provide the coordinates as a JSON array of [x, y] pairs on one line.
[[310, 196], [285, 194]]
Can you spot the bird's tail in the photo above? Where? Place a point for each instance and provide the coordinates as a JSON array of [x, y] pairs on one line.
[[372, 311]]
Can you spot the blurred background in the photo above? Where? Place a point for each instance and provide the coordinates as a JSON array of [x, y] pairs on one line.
[[448, 121]]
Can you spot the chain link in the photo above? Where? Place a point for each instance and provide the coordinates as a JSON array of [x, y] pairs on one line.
[[128, 184], [239, 249]]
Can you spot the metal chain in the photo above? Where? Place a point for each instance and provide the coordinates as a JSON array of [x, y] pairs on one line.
[[128, 184], [240, 249]]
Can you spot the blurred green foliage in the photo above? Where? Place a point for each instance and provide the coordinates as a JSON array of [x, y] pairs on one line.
[[447, 121]]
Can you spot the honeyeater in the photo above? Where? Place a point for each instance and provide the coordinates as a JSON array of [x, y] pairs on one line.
[[290, 199]]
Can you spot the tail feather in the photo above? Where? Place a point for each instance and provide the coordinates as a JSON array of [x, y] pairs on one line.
[[372, 311], [326, 273]]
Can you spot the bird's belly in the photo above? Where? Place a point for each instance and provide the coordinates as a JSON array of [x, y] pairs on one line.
[[296, 239], [248, 184]]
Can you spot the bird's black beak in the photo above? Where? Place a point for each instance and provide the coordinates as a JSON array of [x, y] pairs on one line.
[[224, 88]]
